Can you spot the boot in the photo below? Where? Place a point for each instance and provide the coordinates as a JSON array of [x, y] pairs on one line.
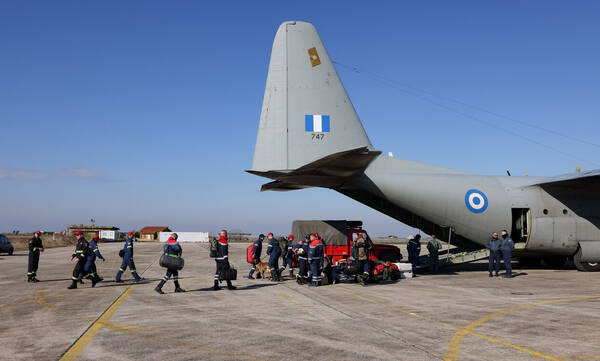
[[73, 285], [250, 275], [93, 281], [29, 279], [81, 280], [119, 281], [230, 286], [178, 288], [216, 286], [158, 287], [99, 279], [291, 272], [33, 279]]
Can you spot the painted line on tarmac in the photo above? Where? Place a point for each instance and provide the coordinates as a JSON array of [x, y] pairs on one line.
[[77, 348], [487, 338], [455, 344]]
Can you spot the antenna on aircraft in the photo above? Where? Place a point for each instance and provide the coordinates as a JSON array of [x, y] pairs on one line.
[[507, 172]]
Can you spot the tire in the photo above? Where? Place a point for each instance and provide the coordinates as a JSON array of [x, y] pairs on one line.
[[584, 266], [555, 261]]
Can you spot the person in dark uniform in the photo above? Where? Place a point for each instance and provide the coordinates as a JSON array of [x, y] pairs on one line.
[[434, 246], [90, 263], [256, 253], [301, 250], [493, 245], [222, 260], [360, 253], [315, 259], [274, 251], [128, 260], [507, 247], [171, 249], [288, 256], [414, 249], [81, 253], [35, 247]]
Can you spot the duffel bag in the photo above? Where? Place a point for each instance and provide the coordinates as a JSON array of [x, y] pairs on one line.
[[228, 274], [121, 253], [351, 268], [169, 262]]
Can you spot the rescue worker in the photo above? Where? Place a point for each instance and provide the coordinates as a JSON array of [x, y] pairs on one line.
[[256, 253], [506, 247], [35, 247], [493, 245], [222, 260], [128, 260], [171, 249], [301, 250], [360, 254], [274, 251], [315, 259], [90, 263], [414, 249], [81, 252], [288, 255], [434, 246]]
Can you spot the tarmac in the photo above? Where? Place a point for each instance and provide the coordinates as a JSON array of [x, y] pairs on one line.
[[460, 314]]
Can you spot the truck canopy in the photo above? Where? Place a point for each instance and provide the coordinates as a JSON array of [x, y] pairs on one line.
[[334, 233]]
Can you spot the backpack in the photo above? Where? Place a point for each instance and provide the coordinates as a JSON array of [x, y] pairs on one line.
[[213, 248], [284, 246], [250, 253]]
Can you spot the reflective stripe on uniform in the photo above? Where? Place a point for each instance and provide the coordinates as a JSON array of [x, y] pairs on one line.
[[172, 255], [122, 269]]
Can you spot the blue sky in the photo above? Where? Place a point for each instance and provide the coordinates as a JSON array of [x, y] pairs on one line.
[[145, 113]]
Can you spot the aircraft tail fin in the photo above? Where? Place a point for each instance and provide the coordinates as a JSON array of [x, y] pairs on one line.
[[306, 113]]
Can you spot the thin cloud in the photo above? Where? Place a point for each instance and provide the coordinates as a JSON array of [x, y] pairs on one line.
[[20, 174]]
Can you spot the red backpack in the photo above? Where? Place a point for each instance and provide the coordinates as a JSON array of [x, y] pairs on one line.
[[250, 253]]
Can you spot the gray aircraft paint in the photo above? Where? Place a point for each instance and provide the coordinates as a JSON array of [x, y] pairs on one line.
[[564, 215]]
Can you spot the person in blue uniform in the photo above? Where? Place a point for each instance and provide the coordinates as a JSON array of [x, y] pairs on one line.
[[493, 245], [35, 247], [90, 263], [506, 246], [301, 250], [128, 260], [81, 253], [171, 249], [256, 253], [274, 251], [222, 260], [315, 259]]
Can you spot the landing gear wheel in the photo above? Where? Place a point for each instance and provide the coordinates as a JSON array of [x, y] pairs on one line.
[[555, 261], [585, 266]]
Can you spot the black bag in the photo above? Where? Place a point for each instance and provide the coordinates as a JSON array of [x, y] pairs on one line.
[[175, 263], [351, 268], [213, 248], [228, 274], [344, 278], [122, 253]]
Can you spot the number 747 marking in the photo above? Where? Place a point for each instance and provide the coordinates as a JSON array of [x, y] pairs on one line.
[[318, 136]]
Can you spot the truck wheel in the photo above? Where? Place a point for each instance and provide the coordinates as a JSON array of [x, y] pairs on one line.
[[555, 261], [388, 256], [585, 266]]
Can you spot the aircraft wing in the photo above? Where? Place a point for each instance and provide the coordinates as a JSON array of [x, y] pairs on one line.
[[588, 181]]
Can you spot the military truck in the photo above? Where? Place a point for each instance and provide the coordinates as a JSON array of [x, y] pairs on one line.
[[339, 236]]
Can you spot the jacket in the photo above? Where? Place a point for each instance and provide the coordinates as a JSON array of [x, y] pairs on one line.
[[301, 250], [493, 244], [257, 248], [413, 247], [35, 244], [94, 250], [173, 248], [273, 248], [81, 249], [222, 249], [128, 248], [315, 250], [507, 245]]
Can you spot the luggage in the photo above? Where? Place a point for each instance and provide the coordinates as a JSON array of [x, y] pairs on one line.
[[121, 253], [169, 262], [351, 268], [212, 248], [228, 274], [250, 253]]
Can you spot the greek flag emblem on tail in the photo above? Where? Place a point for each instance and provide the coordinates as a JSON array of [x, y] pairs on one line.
[[317, 123]]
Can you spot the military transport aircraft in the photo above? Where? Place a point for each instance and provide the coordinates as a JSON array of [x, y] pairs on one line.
[[309, 135]]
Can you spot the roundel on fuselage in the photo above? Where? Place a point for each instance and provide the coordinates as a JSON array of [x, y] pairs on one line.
[[476, 201]]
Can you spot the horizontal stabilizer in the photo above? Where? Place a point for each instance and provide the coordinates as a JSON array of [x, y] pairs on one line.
[[331, 171]]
